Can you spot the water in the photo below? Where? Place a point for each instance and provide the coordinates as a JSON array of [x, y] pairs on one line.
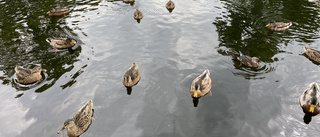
[[171, 49]]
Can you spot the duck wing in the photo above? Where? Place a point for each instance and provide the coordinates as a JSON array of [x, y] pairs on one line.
[[84, 116], [205, 82], [58, 42], [22, 73], [283, 24], [63, 10], [312, 53]]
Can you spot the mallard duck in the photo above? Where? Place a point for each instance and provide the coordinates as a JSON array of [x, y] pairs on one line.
[[61, 43], [312, 54], [309, 100], [170, 6], [201, 85], [247, 60], [137, 15], [80, 122], [128, 1], [28, 76], [132, 76], [58, 12], [278, 26]]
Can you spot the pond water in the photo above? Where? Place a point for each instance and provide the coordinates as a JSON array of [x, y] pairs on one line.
[[171, 49]]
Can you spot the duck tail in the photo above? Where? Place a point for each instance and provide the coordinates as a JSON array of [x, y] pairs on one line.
[[48, 40], [235, 53], [232, 52], [305, 48], [207, 71]]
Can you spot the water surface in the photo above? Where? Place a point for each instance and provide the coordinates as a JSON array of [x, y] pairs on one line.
[[171, 49]]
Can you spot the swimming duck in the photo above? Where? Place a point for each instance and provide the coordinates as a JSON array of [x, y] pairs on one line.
[[170, 6], [61, 43], [58, 12], [137, 15], [247, 60], [312, 54], [278, 26], [80, 122], [309, 100], [128, 1], [201, 85], [132, 76], [28, 76]]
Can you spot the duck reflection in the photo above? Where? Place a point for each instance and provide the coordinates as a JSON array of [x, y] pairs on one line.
[[195, 101], [309, 102], [129, 90], [307, 118]]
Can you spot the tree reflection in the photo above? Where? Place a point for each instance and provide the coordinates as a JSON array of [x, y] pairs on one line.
[[25, 26], [242, 27]]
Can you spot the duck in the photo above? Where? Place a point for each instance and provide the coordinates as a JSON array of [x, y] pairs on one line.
[[309, 100], [59, 11], [170, 6], [253, 62], [80, 121], [278, 26], [28, 76], [137, 15], [128, 1], [201, 85], [61, 43], [313, 54], [132, 76]]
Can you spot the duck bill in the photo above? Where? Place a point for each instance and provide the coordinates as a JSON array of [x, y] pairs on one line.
[[195, 93], [74, 42], [268, 25], [312, 108], [48, 12], [61, 130]]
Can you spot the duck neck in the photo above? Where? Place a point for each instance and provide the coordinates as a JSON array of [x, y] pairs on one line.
[[73, 130]]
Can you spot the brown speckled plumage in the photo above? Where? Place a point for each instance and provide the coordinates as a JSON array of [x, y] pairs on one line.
[[80, 122], [132, 76], [204, 84]]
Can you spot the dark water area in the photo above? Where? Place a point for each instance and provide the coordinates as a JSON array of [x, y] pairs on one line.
[[171, 49]]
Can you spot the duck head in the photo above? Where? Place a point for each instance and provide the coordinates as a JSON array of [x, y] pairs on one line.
[[71, 40], [51, 10], [127, 79], [68, 123], [197, 88], [270, 23]]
